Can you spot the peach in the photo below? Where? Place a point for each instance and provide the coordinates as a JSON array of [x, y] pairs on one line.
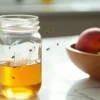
[[89, 41]]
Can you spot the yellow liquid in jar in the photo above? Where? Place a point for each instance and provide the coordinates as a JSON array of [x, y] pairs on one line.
[[20, 81]]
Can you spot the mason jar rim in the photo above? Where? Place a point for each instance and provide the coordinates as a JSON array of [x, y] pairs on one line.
[[19, 23], [19, 16]]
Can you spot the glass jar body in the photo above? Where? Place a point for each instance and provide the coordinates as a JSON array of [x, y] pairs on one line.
[[20, 62]]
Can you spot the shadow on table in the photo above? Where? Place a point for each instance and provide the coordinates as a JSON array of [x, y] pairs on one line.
[[34, 98], [85, 89]]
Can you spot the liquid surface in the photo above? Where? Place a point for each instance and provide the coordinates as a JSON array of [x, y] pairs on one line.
[[20, 81]]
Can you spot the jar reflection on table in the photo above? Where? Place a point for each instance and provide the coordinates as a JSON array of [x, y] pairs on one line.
[[33, 98], [20, 50]]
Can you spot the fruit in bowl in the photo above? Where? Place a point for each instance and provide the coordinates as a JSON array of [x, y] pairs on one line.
[[89, 41], [84, 54]]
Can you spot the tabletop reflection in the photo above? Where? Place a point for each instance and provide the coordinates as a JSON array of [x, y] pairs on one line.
[[33, 98]]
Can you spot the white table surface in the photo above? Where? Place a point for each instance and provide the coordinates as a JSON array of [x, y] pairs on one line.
[[61, 79]]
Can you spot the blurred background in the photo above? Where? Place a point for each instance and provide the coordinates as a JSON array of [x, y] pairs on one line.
[[65, 17]]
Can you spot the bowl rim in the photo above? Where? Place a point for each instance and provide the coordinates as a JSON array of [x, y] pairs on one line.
[[71, 48]]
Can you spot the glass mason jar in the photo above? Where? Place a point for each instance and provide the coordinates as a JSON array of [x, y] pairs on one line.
[[20, 56]]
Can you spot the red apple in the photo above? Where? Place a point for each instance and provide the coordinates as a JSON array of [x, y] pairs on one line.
[[89, 41]]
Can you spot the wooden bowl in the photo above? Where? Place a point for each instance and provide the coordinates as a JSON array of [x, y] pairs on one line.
[[87, 62]]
